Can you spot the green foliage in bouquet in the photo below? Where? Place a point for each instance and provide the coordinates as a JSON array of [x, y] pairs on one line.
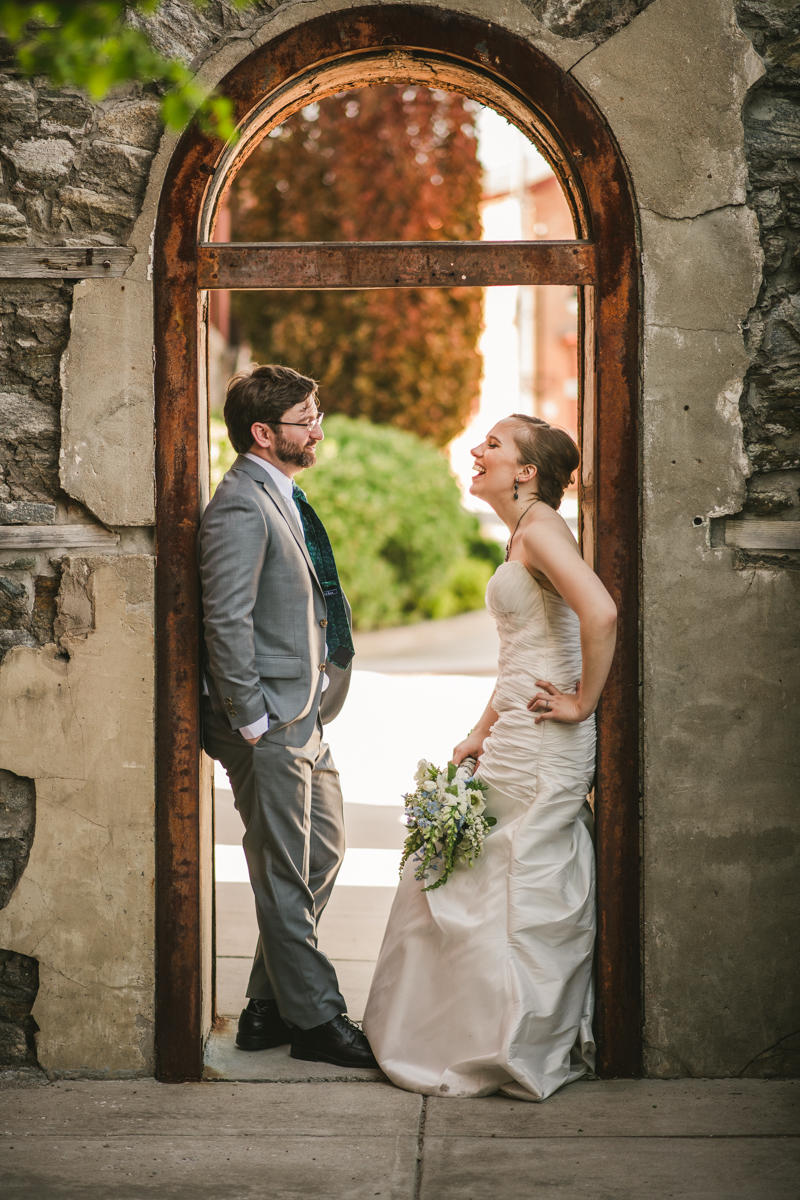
[[446, 819], [405, 547]]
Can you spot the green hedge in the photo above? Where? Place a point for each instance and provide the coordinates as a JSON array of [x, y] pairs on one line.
[[405, 547]]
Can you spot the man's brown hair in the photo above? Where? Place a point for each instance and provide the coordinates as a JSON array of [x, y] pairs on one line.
[[262, 395]]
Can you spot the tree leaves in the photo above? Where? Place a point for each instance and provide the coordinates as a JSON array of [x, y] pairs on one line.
[[372, 164], [93, 46]]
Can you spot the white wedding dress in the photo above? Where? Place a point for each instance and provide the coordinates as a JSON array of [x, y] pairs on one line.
[[485, 984]]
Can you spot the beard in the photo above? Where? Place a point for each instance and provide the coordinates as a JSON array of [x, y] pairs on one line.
[[291, 452]]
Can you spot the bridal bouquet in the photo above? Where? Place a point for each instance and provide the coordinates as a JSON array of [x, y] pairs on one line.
[[446, 818]]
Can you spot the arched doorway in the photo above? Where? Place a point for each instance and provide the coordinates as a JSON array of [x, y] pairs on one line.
[[420, 45]]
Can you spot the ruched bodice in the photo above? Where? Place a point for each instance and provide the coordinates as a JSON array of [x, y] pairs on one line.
[[540, 638], [485, 984]]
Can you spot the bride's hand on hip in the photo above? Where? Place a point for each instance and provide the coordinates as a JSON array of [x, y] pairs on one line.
[[552, 705], [472, 745]]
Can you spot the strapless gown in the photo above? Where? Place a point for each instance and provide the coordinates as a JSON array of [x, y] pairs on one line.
[[485, 984]]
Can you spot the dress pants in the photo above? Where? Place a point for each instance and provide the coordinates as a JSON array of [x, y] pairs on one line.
[[290, 801]]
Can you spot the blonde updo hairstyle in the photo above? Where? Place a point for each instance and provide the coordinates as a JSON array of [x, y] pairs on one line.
[[551, 450]]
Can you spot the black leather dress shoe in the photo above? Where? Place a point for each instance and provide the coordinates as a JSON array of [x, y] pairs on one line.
[[339, 1041], [261, 1027]]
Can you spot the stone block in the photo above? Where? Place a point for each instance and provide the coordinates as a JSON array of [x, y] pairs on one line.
[[65, 114], [17, 104], [627, 1168], [94, 774], [720, 821], [701, 273], [22, 417], [123, 168], [107, 458], [773, 493], [203, 1167], [13, 225], [134, 122], [179, 31], [585, 18], [9, 638], [27, 514], [17, 823], [117, 1109], [107, 375], [14, 1048], [17, 808], [671, 85], [693, 454], [14, 603], [19, 983], [603, 1108], [45, 608], [773, 138], [41, 160], [94, 208]]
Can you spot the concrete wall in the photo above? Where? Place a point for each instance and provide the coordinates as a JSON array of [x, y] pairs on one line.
[[673, 79]]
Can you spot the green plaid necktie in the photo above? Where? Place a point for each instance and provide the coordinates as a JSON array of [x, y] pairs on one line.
[[340, 642]]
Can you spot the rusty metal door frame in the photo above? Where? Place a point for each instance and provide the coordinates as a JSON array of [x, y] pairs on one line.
[[386, 43]]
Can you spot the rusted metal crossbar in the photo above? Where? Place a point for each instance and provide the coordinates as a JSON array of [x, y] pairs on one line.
[[298, 265]]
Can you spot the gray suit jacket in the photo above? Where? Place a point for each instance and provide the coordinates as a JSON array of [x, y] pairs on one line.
[[264, 614]]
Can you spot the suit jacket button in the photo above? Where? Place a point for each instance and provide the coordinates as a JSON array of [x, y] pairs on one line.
[[322, 666], [323, 622]]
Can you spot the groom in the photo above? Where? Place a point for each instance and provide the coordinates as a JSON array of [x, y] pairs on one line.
[[277, 659]]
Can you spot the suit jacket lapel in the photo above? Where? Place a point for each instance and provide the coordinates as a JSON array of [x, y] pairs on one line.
[[283, 505]]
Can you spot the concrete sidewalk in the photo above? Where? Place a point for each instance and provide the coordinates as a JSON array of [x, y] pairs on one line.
[[464, 645], [614, 1140]]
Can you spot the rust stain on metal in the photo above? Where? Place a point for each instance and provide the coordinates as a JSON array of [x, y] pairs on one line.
[[392, 264], [416, 42]]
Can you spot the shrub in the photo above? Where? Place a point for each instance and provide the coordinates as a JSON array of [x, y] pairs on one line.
[[405, 547]]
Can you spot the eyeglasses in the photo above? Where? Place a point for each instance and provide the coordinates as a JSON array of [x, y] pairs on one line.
[[309, 425]]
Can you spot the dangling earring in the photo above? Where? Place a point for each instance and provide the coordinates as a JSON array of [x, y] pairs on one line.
[[516, 489]]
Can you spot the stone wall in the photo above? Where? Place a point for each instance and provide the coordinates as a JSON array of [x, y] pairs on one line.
[[19, 973], [770, 403], [586, 19], [719, 219], [72, 173]]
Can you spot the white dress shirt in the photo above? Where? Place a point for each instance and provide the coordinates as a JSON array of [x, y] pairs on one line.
[[285, 486]]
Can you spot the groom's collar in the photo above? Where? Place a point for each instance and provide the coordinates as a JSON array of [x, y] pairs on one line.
[[285, 505], [282, 481]]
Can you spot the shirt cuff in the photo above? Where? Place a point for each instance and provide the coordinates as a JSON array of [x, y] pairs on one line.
[[256, 729]]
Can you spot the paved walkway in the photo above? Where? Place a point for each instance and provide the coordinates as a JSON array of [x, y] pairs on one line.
[[616, 1140], [464, 645]]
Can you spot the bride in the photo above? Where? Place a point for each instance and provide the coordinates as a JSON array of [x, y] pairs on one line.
[[485, 984]]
